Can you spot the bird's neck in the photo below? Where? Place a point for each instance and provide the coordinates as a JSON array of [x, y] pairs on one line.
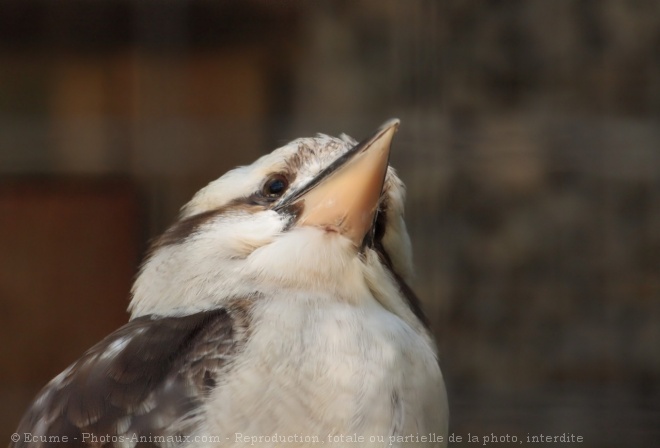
[[187, 278]]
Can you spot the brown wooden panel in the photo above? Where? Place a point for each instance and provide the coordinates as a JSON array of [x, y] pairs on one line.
[[68, 254]]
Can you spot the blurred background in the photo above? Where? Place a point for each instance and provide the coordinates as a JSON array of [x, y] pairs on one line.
[[530, 144]]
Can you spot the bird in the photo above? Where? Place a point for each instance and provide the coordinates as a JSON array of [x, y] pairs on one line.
[[276, 311]]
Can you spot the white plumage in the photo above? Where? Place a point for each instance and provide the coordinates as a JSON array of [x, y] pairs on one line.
[[261, 314]]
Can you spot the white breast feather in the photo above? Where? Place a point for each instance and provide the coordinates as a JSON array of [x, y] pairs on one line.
[[385, 355]]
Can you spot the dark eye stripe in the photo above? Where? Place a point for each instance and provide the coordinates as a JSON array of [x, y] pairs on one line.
[[184, 228], [413, 301]]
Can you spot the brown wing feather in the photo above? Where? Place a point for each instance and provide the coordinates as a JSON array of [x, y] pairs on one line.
[[148, 378]]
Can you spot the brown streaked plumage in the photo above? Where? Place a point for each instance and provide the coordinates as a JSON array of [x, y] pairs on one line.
[[148, 378]]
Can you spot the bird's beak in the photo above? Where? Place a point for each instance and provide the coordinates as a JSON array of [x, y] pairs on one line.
[[344, 197]]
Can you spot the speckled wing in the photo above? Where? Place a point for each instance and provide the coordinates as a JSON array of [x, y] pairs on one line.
[[149, 378]]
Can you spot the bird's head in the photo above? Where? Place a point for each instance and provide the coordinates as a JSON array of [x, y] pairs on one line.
[[319, 214]]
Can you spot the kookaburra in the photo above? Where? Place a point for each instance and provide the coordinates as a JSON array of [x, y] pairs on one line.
[[275, 312]]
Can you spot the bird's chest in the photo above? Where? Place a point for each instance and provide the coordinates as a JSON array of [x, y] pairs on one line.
[[323, 369]]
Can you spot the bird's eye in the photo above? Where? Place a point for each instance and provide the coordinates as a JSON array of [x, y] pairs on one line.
[[275, 186]]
